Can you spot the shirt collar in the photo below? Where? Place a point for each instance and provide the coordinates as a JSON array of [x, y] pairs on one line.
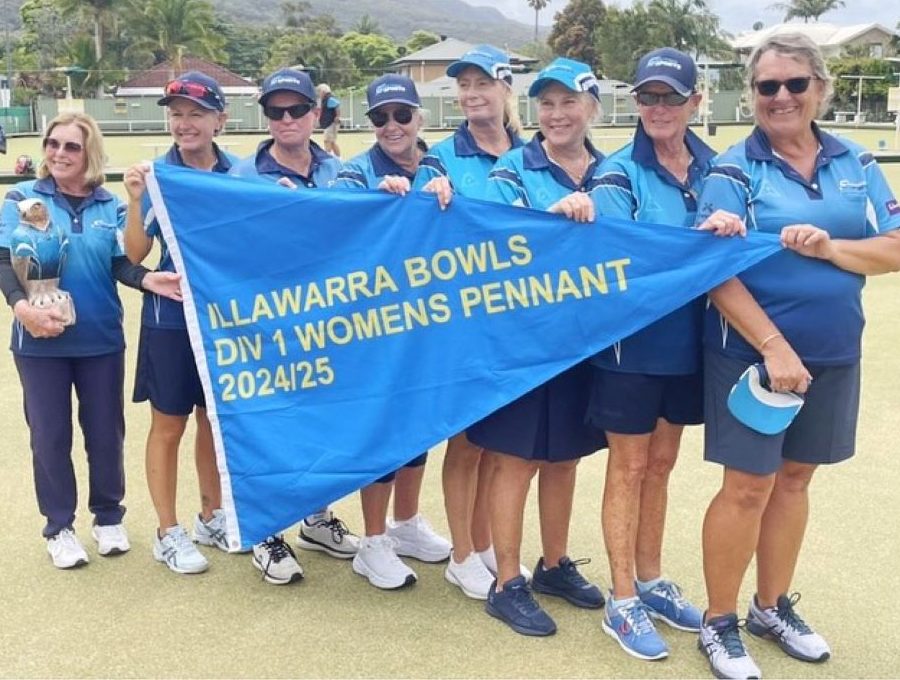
[[534, 157], [759, 148], [266, 163], [465, 145], [382, 164], [47, 186], [223, 164], [644, 153]]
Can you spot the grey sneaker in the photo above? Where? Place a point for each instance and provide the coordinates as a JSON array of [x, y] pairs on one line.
[[329, 535], [177, 552], [212, 532], [783, 625], [277, 561], [720, 640]]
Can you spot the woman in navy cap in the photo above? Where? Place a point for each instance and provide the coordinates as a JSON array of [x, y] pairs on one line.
[[461, 164], [166, 373], [394, 111], [292, 159]]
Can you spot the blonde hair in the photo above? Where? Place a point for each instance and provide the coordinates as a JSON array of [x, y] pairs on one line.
[[93, 147], [511, 119], [322, 89]]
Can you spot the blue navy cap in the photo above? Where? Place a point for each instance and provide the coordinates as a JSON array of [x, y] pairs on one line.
[[198, 88], [391, 89], [287, 80], [756, 406], [669, 66], [488, 58], [574, 75]]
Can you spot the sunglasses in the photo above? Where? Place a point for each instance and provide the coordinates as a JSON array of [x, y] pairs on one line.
[[296, 111], [56, 145], [769, 88], [655, 99], [400, 116], [189, 89]]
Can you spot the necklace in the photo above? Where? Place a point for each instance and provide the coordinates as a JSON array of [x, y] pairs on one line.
[[575, 169]]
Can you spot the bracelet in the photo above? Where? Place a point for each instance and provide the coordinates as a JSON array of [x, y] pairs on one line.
[[768, 339]]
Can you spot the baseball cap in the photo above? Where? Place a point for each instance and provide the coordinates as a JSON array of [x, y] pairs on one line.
[[669, 66], [488, 58], [287, 80], [197, 87], [756, 406], [574, 75], [391, 89]]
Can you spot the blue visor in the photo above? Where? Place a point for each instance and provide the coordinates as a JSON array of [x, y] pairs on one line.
[[756, 406]]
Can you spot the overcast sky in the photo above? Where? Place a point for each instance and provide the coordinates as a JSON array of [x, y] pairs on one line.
[[734, 13]]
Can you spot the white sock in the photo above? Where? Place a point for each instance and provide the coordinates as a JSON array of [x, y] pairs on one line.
[[646, 586]]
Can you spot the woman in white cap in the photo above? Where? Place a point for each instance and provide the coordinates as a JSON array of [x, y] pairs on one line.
[[461, 164], [391, 163], [166, 373]]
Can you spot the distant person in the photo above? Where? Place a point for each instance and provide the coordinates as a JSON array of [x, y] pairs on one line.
[[166, 374], [54, 356], [2, 140], [329, 118], [24, 165]]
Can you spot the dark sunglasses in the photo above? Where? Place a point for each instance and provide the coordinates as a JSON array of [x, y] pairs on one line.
[[189, 89], [655, 98], [296, 111], [56, 145], [401, 117], [769, 88]]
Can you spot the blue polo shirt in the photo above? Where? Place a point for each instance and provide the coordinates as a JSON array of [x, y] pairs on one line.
[[366, 170], [159, 311], [633, 185], [323, 168], [526, 177], [94, 232], [461, 160], [814, 304]]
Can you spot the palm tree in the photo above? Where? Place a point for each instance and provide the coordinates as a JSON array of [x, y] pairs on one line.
[[173, 28], [99, 12], [807, 9], [537, 6]]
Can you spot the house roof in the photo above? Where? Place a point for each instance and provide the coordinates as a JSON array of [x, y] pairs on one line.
[[824, 35], [153, 80], [451, 49]]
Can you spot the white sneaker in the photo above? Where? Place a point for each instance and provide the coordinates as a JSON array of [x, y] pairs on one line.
[[378, 562], [66, 550], [472, 577], [329, 535], [178, 553], [211, 532], [720, 640], [489, 559], [415, 538], [784, 625], [277, 561], [112, 539]]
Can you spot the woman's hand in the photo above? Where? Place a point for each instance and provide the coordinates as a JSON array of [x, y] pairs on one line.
[[395, 184], [40, 323], [165, 284], [786, 371], [808, 240], [576, 206], [441, 187], [135, 180], [724, 223]]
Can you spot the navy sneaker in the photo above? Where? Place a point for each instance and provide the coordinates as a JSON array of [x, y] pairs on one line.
[[666, 603], [516, 607], [630, 625], [564, 581]]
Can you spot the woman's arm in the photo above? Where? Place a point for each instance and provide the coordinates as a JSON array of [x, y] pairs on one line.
[[137, 243], [869, 256]]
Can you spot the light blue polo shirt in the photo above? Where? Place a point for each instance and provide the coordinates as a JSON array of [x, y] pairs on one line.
[[633, 185], [526, 177], [159, 311], [460, 159], [94, 232], [366, 170], [322, 171], [815, 305]]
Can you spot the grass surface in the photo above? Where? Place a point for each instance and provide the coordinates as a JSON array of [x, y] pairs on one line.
[[130, 617]]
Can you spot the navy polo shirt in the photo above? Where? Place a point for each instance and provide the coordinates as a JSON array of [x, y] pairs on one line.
[[815, 305], [366, 170], [323, 168]]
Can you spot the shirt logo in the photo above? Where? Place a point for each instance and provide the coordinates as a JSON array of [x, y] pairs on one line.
[[893, 207]]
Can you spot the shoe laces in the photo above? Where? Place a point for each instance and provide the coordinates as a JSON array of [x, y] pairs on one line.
[[215, 529], [277, 549], [635, 613], [67, 539], [523, 600], [729, 638], [787, 615], [671, 592], [571, 573], [179, 542], [337, 527]]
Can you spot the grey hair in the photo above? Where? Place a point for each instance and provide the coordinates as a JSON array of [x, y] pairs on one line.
[[799, 48]]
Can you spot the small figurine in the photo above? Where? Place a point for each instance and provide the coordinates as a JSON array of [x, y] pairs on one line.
[[38, 250]]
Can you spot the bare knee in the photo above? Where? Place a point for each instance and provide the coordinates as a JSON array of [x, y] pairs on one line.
[[794, 478], [747, 492]]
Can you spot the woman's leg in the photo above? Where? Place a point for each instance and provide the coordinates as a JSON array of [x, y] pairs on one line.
[[460, 479], [207, 470], [162, 464]]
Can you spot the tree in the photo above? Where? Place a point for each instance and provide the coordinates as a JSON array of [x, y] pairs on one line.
[[574, 32], [98, 12], [295, 13], [173, 28], [807, 9], [687, 25], [370, 53], [537, 6], [421, 39], [246, 47], [324, 55], [367, 26]]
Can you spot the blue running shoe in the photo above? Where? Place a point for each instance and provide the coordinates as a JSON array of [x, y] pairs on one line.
[[564, 581], [630, 625], [666, 603], [516, 607], [720, 641]]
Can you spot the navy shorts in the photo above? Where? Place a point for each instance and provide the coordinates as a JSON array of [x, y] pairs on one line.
[[418, 461], [631, 403], [823, 432], [547, 424], [166, 372]]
